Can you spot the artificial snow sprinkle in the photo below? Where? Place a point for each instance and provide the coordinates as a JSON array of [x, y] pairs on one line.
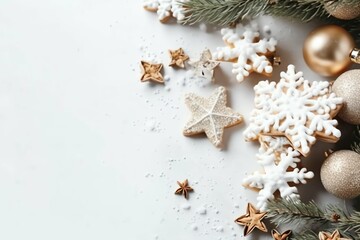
[[295, 108], [246, 50], [210, 115]]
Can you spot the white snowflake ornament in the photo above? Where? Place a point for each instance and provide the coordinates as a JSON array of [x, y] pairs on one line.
[[246, 50], [165, 9], [295, 108], [278, 172]]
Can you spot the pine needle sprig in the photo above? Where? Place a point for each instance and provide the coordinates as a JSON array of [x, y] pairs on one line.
[[222, 12], [306, 235], [294, 212], [227, 12], [351, 223], [309, 216]]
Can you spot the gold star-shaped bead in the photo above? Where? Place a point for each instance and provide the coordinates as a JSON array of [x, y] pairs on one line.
[[210, 116], [151, 72], [252, 219], [205, 66], [184, 188], [280, 236], [178, 58], [331, 236]]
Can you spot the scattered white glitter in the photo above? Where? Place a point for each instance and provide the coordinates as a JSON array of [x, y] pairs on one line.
[[194, 227], [203, 27], [219, 229], [201, 210], [186, 206], [166, 78], [267, 29]]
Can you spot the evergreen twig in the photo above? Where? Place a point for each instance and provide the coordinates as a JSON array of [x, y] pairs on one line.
[[303, 215], [225, 12]]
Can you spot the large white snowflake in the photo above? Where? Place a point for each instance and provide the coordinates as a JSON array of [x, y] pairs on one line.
[[278, 171], [295, 108], [166, 8], [246, 50]]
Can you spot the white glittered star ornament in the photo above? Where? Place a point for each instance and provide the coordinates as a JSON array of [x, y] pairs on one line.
[[210, 116], [205, 66]]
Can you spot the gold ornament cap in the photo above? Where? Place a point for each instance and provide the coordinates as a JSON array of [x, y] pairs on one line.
[[355, 55]]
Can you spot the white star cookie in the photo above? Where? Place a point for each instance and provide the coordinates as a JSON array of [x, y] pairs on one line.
[[210, 115], [295, 108], [204, 67], [279, 168], [165, 9], [246, 50]]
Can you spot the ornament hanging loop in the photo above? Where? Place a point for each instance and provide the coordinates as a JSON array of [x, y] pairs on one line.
[[355, 55]]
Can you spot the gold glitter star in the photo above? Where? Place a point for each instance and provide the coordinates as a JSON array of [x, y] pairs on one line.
[[151, 71], [184, 188], [251, 220], [205, 66], [210, 116], [331, 236], [280, 236], [178, 58]]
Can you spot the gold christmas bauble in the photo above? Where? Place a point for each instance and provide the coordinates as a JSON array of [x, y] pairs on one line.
[[327, 49], [347, 86], [344, 11], [340, 174]]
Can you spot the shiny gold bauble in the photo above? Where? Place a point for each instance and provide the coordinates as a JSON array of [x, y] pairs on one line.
[[340, 174], [326, 50], [347, 86], [344, 11]]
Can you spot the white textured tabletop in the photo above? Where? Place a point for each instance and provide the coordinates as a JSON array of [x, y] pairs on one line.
[[87, 151]]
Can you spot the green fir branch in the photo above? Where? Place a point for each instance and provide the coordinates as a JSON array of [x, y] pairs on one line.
[[309, 216], [306, 235], [295, 212], [227, 12]]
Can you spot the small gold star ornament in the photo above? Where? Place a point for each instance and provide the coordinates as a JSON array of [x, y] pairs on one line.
[[205, 66], [210, 116], [251, 220], [280, 236], [178, 58], [331, 236], [184, 189], [151, 72]]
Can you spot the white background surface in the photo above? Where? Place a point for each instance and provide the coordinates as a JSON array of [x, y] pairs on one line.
[[78, 156]]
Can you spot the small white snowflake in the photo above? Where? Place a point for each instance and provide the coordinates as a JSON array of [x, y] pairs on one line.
[[276, 174], [166, 8], [246, 50], [295, 108]]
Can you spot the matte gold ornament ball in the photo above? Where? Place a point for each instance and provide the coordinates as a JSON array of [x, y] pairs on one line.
[[347, 86], [327, 49], [344, 11], [340, 174]]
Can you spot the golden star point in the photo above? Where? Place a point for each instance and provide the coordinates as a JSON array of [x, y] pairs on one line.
[[251, 220]]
